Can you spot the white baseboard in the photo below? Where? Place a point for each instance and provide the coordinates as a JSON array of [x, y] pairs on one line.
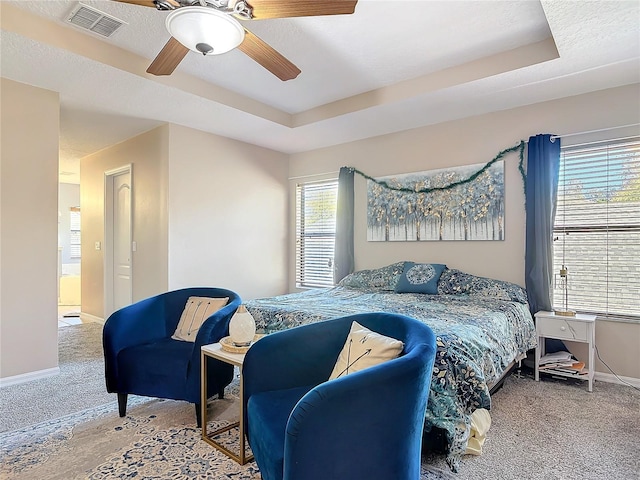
[[28, 377], [610, 378], [87, 317]]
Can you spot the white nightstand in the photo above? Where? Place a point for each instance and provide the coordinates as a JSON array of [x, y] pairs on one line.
[[581, 328]]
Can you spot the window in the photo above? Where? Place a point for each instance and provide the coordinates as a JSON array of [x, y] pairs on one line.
[[74, 232], [597, 228], [315, 233]]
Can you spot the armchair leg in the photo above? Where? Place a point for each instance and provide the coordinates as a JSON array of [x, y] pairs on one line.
[[122, 404], [198, 416]]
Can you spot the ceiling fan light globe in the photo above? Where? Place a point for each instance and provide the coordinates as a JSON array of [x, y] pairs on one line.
[[193, 26]]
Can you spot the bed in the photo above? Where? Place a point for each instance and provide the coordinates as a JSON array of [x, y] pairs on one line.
[[482, 327]]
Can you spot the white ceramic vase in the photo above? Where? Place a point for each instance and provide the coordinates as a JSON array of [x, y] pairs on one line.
[[242, 327]]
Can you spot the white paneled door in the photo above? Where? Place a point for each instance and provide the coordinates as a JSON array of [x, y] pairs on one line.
[[122, 240], [118, 236]]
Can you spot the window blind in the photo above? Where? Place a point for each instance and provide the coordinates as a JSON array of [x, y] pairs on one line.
[[315, 233], [74, 232], [597, 229]]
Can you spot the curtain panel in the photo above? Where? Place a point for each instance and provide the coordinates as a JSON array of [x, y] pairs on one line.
[[541, 188], [343, 253]]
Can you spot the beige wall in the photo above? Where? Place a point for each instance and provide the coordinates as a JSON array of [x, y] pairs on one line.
[[464, 142], [201, 203], [227, 214], [29, 227], [619, 346], [470, 141], [148, 155]]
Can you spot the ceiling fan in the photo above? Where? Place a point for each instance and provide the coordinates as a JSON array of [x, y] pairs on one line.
[[210, 27]]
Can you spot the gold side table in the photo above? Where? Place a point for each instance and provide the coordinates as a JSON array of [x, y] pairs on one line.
[[215, 351]]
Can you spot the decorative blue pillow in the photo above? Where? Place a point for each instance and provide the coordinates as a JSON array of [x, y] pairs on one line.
[[455, 282], [420, 278], [384, 278]]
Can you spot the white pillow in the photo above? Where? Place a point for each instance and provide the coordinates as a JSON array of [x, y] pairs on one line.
[[195, 312], [364, 348]]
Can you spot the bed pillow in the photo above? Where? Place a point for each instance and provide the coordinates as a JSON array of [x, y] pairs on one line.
[[453, 282], [420, 278], [195, 312], [384, 278], [363, 349]]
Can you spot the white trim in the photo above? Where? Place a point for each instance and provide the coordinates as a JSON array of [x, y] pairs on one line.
[[28, 377], [566, 135], [117, 171], [87, 317], [602, 318], [314, 175], [609, 378]]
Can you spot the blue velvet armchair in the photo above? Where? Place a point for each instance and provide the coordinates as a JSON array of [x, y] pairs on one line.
[[141, 358], [362, 426]]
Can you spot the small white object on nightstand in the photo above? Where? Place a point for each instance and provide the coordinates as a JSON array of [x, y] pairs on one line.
[[580, 328]]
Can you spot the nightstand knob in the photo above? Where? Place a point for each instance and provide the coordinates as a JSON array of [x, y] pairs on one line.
[[563, 328]]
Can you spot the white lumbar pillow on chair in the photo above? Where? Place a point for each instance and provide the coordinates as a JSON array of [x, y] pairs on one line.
[[195, 312]]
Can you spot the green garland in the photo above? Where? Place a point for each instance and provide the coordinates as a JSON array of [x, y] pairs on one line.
[[519, 147]]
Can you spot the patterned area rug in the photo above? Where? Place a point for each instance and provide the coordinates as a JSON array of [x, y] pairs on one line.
[[156, 440]]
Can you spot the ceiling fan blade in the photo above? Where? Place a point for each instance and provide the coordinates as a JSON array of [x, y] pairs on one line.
[[268, 57], [168, 59], [149, 3], [300, 8]]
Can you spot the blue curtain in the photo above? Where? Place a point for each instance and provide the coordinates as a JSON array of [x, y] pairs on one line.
[[541, 188], [343, 254]]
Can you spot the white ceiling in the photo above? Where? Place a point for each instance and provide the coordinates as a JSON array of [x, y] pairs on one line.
[[391, 66]]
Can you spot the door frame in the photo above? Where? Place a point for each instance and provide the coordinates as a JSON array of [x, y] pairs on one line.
[[109, 175]]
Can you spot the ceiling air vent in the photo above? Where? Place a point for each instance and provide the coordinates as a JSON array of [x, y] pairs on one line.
[[89, 18]]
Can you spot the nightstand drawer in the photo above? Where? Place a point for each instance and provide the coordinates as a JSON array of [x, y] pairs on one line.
[[561, 328]]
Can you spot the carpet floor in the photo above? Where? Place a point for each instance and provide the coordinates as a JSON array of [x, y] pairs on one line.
[[79, 385], [540, 430]]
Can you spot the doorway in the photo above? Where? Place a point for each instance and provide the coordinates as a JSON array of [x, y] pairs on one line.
[[69, 252], [118, 269]]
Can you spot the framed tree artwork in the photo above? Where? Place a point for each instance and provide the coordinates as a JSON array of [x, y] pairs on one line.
[[470, 211]]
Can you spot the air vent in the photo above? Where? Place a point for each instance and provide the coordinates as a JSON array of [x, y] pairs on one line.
[[89, 18]]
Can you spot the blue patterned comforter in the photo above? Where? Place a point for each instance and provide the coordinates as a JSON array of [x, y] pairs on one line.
[[478, 336]]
